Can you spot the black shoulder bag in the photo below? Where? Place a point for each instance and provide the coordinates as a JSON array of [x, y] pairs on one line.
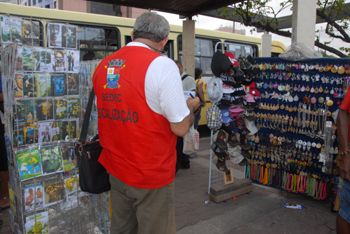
[[93, 177]]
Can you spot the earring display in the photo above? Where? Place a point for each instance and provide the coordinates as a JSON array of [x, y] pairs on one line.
[[297, 135]]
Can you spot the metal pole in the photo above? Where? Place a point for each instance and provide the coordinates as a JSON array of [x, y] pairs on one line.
[[210, 158]]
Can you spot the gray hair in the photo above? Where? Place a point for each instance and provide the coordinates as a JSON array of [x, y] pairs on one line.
[[152, 26]]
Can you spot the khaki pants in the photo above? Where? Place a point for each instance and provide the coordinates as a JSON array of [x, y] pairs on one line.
[[142, 211]]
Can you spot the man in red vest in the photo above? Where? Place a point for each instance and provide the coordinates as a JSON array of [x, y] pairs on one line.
[[343, 162], [141, 109]]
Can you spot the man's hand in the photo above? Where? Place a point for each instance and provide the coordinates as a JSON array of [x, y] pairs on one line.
[[193, 104]]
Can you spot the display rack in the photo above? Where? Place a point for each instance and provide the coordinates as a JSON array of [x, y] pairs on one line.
[[296, 145], [226, 120], [44, 98]]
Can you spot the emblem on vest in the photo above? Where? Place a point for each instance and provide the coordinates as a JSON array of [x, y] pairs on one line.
[[113, 73]]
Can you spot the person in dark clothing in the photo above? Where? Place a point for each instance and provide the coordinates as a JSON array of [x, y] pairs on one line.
[[4, 174]]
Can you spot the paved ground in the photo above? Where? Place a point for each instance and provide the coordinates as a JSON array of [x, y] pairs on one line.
[[260, 211]]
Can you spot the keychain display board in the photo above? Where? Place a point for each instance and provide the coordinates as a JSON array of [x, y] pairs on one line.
[[43, 113], [296, 145]]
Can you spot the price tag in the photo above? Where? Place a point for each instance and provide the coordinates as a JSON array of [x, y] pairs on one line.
[[322, 157]]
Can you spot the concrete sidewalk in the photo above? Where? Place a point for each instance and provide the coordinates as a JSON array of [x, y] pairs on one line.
[[260, 211]]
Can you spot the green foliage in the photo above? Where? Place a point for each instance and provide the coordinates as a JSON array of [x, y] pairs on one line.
[[261, 15]]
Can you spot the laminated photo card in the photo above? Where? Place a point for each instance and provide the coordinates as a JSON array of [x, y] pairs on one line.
[[55, 131], [71, 184], [44, 109], [37, 223], [54, 191], [69, 130], [46, 60], [33, 197], [44, 132], [18, 136], [60, 108], [30, 32], [18, 85], [54, 35], [28, 163], [30, 58], [36, 56], [19, 59], [11, 29], [30, 133], [72, 61], [5, 28], [42, 84], [28, 85], [16, 29], [69, 36], [59, 61], [73, 108], [69, 157], [58, 84], [24, 111], [72, 84], [51, 159]]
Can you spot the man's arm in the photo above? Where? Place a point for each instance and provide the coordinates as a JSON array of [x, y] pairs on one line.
[[343, 159], [181, 128]]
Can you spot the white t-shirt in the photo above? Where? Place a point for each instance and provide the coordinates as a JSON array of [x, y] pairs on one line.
[[163, 88]]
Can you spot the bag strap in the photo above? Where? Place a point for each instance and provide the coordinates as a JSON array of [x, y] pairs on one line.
[[86, 121]]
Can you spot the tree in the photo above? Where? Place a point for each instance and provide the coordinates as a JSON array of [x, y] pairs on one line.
[[260, 14]]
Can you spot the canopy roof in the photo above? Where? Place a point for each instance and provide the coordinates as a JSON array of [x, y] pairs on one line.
[[186, 8]]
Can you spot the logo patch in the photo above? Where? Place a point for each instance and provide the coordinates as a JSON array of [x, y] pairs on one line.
[[113, 73]]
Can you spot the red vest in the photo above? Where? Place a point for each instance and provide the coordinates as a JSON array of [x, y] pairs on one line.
[[139, 147]]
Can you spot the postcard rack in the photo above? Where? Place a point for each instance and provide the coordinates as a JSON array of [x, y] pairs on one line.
[[43, 90]]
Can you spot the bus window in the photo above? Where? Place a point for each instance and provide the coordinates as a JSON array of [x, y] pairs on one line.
[[203, 54], [127, 39], [168, 48], [204, 50], [21, 30], [240, 49], [274, 54], [97, 42]]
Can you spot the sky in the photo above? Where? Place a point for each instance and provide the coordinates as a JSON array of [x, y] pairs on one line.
[[211, 23], [214, 23]]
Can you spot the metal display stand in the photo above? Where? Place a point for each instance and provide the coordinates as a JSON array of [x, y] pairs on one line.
[[41, 126], [224, 185]]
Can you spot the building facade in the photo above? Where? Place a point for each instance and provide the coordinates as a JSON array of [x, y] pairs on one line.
[[39, 3], [86, 6]]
